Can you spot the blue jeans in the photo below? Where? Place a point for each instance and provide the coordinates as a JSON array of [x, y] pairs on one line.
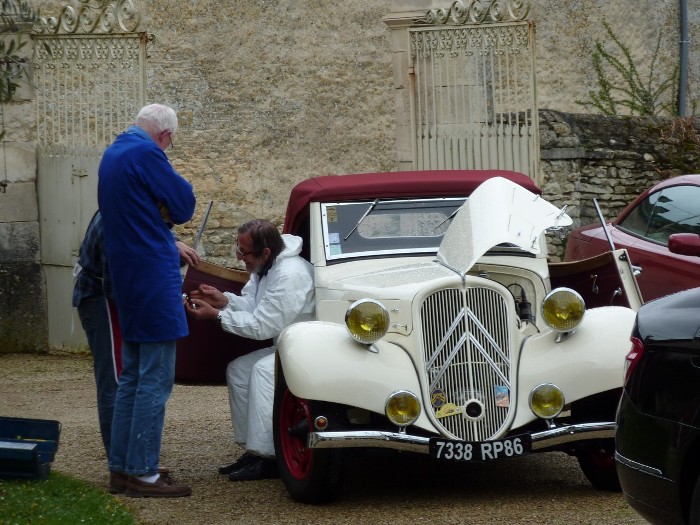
[[100, 330], [148, 374]]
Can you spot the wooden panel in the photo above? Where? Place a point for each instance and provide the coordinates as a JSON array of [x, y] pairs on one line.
[[203, 355]]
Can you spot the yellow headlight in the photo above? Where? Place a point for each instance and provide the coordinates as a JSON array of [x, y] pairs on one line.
[[402, 408], [563, 309], [546, 401], [367, 320]]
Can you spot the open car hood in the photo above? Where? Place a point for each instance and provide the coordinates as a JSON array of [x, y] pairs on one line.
[[498, 211]]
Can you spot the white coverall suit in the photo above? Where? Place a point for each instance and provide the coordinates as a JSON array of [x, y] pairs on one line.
[[265, 307]]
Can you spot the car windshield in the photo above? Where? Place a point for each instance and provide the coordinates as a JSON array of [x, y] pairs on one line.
[[386, 227], [672, 210]]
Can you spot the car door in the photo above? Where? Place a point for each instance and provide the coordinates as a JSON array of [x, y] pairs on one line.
[[644, 232]]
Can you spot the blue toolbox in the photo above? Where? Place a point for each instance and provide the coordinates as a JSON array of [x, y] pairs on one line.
[[27, 447]]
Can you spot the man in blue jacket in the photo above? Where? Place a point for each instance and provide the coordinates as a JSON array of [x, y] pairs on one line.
[[141, 196]]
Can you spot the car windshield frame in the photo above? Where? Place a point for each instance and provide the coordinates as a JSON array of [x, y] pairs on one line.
[[386, 227]]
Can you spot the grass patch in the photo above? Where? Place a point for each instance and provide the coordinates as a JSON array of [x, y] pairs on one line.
[[59, 499]]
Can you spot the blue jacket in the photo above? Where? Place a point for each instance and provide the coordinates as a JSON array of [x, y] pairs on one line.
[[93, 277], [136, 180]]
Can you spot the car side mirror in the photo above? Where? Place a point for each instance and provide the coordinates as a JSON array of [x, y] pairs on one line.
[[684, 243]]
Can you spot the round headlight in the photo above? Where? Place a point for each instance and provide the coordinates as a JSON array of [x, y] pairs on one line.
[[546, 401], [563, 309], [402, 408], [367, 321]]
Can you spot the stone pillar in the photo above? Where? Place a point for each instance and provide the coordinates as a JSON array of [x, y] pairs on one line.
[[402, 15], [23, 320]]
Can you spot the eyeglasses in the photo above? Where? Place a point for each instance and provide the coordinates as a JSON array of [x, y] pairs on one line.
[[242, 253], [172, 144]]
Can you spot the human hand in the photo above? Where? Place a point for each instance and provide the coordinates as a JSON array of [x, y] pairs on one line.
[[200, 309], [210, 295], [187, 254]]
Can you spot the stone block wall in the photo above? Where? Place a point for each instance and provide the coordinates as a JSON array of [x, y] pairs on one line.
[[271, 92], [23, 323]]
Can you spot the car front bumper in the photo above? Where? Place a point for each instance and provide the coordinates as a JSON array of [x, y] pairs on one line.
[[648, 457], [653, 496], [541, 441]]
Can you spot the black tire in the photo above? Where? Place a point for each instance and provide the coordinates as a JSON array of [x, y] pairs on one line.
[[694, 516], [597, 461], [310, 475]]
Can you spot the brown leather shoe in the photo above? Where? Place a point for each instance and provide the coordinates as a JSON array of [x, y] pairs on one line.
[[165, 473], [163, 487], [117, 480]]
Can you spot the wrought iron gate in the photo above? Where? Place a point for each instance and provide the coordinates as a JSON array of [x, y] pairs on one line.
[[89, 73], [473, 103]]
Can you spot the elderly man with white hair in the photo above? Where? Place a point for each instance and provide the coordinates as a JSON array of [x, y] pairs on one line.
[[141, 196]]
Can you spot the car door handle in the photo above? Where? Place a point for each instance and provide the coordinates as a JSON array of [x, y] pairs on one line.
[[616, 293]]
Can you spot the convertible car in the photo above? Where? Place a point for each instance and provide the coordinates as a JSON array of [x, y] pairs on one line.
[[443, 329]]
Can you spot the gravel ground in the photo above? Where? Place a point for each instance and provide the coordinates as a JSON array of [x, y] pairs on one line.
[[380, 488]]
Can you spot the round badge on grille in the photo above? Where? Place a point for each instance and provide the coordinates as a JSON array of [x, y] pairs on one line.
[[473, 409], [437, 398]]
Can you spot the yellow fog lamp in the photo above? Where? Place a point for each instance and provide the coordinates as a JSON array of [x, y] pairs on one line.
[[367, 321], [402, 408], [563, 309], [546, 401]]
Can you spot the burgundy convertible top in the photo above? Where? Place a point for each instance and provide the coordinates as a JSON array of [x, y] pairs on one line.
[[395, 184]]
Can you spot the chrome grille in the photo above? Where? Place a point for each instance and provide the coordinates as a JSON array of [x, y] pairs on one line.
[[467, 355]]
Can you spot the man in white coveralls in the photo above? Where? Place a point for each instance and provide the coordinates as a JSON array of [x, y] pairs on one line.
[[280, 292]]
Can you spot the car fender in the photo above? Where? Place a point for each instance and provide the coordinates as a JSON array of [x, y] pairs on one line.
[[321, 361], [591, 360]]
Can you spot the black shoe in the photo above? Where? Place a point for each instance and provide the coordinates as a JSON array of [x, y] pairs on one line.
[[245, 459], [261, 468]]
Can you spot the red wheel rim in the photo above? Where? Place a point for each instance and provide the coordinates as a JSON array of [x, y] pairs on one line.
[[603, 458], [296, 455]]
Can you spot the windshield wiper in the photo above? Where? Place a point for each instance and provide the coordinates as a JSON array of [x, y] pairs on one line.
[[371, 207], [447, 219]]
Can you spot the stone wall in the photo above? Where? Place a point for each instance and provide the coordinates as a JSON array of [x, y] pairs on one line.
[[23, 323], [270, 92]]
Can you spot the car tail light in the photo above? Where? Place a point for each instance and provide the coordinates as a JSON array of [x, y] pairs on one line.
[[633, 357]]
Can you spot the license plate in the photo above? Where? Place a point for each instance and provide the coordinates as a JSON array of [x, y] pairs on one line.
[[455, 450]]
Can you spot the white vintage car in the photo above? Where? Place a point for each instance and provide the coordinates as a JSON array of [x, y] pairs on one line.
[[443, 329]]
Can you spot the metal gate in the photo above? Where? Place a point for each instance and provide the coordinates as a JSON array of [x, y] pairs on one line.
[[473, 103], [90, 83]]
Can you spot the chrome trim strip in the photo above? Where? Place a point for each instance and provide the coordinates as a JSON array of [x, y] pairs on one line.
[[646, 469], [368, 438], [570, 433], [402, 441]]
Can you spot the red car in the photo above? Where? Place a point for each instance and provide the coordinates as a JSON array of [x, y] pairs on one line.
[[643, 228]]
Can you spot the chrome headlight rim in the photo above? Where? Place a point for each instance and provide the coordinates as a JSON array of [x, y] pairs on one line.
[[540, 413], [552, 296], [373, 336], [402, 394]]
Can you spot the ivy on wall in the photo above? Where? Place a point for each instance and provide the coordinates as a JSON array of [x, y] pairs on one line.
[[622, 88], [16, 18]]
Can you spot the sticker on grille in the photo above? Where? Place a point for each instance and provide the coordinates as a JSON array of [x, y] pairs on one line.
[[467, 354]]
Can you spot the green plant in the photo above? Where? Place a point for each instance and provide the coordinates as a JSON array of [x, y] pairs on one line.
[[620, 85], [683, 140], [59, 500], [16, 17]]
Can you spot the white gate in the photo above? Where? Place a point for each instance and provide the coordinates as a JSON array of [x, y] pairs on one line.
[[90, 83], [473, 103]]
